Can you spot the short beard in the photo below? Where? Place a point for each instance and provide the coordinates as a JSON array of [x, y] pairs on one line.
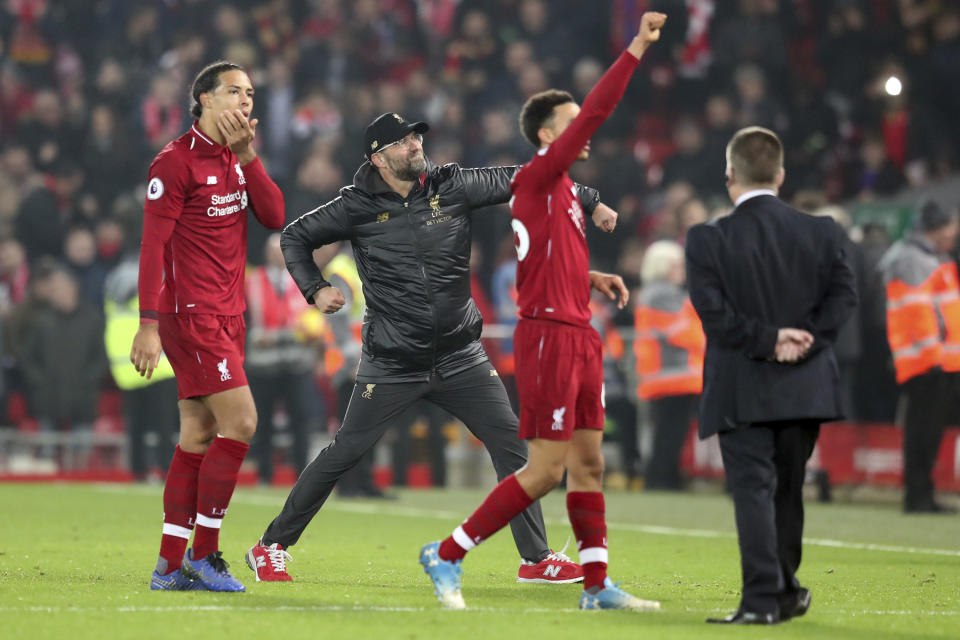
[[406, 169]]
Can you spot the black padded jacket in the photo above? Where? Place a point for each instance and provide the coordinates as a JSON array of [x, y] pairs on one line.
[[413, 257]]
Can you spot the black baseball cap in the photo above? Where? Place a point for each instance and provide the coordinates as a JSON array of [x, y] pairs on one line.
[[387, 129]]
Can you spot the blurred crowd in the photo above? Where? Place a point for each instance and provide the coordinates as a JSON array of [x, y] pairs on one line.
[[864, 94]]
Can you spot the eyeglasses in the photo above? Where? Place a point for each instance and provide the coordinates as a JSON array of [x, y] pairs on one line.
[[404, 143]]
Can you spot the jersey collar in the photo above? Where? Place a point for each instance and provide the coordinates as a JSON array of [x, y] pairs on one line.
[[201, 142]]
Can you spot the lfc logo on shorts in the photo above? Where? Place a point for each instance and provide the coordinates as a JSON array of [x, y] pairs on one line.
[[224, 372], [558, 419], [368, 394]]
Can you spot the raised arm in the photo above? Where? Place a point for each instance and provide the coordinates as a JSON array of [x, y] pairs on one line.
[[600, 102], [324, 225]]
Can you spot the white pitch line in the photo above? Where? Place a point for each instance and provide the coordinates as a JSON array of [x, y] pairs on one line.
[[416, 512], [378, 609]]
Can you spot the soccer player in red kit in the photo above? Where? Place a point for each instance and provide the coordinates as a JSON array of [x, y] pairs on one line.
[[192, 262], [558, 354]]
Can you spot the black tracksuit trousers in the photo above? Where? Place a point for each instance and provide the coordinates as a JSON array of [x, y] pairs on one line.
[[475, 396]]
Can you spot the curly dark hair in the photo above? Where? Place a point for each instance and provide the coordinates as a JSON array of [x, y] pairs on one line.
[[207, 80], [538, 109]]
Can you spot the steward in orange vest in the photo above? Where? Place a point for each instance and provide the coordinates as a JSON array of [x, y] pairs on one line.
[[923, 328], [923, 307], [669, 343], [669, 346]]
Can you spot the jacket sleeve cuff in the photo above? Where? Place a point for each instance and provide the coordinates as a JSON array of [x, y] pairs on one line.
[[312, 290], [765, 345], [589, 198]]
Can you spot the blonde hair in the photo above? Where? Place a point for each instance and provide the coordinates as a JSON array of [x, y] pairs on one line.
[[756, 155], [659, 259]]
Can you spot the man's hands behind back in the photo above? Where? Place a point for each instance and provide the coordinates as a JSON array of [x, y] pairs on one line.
[[792, 345]]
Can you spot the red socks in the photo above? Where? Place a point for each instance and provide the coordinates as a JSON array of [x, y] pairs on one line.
[[505, 502], [179, 508], [586, 510], [587, 517], [215, 485]]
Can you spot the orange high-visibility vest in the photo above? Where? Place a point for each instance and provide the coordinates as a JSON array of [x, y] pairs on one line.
[[333, 358], [669, 347], [947, 298], [923, 309]]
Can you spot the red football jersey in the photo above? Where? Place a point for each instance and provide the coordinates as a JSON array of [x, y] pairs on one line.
[[196, 215], [548, 222]]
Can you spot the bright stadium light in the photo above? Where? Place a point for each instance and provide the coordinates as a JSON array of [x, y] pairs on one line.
[[893, 86]]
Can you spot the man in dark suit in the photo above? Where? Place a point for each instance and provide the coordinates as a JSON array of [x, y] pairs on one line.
[[772, 287]]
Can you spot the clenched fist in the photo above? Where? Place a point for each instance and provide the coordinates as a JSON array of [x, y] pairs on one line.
[[649, 32], [329, 300], [604, 218]]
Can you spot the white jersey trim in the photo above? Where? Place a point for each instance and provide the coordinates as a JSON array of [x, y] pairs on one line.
[[193, 128]]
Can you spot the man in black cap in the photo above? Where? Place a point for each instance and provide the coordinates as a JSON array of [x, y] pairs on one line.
[[923, 328], [409, 223]]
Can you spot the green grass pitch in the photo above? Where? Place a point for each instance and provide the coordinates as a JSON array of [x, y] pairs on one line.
[[75, 561]]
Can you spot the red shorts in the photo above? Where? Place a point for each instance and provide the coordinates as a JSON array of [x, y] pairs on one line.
[[559, 379], [205, 350]]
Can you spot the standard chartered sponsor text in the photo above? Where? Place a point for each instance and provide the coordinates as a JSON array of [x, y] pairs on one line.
[[214, 211]]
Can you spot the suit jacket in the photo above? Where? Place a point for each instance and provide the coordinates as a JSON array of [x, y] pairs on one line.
[[764, 267]]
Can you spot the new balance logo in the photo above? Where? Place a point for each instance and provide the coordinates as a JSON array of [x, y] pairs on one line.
[[368, 394], [224, 372], [552, 571], [558, 419], [211, 179], [261, 561]]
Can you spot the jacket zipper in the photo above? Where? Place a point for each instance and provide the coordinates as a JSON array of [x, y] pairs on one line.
[[429, 288]]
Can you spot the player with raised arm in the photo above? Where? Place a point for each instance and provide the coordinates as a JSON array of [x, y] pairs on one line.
[[558, 354], [192, 262]]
